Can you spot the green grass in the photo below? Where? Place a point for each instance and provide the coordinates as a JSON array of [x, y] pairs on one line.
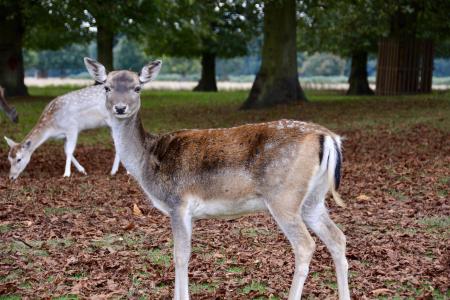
[[5, 228], [66, 297], [235, 269], [254, 232], [10, 297], [57, 211], [420, 292], [164, 111], [254, 287], [433, 223], [158, 257], [202, 287]]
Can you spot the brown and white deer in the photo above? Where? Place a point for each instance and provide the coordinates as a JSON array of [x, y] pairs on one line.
[[64, 117], [285, 168], [9, 110]]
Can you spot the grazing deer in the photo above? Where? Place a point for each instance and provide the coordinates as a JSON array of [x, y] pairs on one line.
[[64, 117], [285, 168], [9, 111]]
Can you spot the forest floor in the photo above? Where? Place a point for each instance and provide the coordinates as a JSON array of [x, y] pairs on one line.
[[97, 237]]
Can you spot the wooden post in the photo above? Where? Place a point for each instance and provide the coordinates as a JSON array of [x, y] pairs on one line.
[[405, 66]]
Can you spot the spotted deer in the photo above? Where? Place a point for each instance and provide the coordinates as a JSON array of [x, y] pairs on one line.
[[284, 168], [64, 117], [9, 111]]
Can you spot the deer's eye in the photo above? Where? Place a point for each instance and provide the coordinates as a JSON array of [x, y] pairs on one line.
[[18, 160], [107, 89], [137, 89]]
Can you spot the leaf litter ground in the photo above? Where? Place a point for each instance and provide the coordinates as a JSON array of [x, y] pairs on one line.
[[97, 237]]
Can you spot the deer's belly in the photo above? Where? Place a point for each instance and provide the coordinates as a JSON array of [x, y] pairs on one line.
[[225, 208], [92, 119]]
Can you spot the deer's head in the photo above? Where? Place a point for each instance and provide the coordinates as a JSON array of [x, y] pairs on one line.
[[19, 156], [122, 88]]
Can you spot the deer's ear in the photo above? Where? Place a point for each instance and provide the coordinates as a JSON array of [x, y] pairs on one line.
[[150, 71], [95, 69], [10, 142]]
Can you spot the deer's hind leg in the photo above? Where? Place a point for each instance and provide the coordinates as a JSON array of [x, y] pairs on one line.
[[317, 218], [286, 213]]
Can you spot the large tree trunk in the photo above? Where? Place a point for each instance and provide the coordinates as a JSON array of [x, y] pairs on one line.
[[208, 80], [105, 44], [277, 80], [359, 85], [11, 59]]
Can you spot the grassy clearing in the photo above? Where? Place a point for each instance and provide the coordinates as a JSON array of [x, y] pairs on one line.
[[142, 256], [171, 110]]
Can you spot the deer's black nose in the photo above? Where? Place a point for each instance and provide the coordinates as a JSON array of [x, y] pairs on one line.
[[120, 109]]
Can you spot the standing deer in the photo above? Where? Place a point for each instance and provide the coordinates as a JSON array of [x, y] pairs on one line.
[[285, 168], [9, 111], [64, 117]]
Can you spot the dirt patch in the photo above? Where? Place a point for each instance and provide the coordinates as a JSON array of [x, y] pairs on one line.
[[80, 236]]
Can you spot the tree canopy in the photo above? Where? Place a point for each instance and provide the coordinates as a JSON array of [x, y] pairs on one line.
[[207, 29]]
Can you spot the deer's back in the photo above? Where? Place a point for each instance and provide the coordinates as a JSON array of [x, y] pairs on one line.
[[239, 160]]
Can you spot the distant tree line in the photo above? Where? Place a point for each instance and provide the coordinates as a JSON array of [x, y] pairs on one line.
[[128, 55]]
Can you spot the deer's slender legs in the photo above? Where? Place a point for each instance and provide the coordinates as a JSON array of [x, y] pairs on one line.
[[182, 232], [302, 243], [78, 165], [69, 148], [115, 166], [318, 219]]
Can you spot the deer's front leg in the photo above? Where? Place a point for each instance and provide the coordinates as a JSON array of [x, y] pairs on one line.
[[69, 148], [115, 166], [182, 231]]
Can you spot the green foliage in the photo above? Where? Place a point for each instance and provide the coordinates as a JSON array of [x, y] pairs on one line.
[[340, 27], [181, 66], [323, 64], [116, 15], [344, 26], [129, 55], [190, 28], [68, 58], [41, 24]]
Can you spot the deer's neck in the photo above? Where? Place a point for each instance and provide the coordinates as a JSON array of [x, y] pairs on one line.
[[135, 148], [36, 137], [132, 143]]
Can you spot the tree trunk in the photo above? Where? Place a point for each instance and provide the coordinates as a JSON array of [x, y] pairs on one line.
[[277, 80], [359, 85], [11, 58], [207, 82], [105, 44]]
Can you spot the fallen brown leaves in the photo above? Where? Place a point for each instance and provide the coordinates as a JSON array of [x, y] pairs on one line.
[[97, 237]]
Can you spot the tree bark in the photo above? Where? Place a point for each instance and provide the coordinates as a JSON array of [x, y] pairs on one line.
[[105, 44], [277, 80], [359, 85], [11, 58], [207, 82]]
